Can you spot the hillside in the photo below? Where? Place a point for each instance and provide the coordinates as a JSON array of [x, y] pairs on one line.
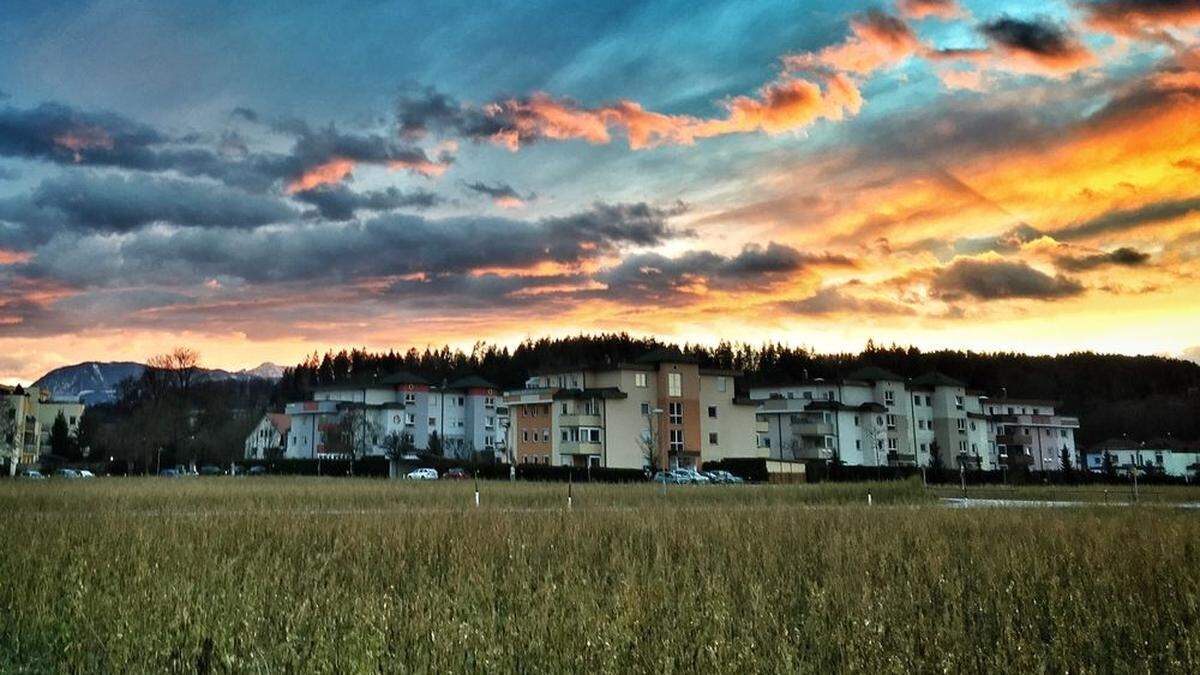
[[95, 382]]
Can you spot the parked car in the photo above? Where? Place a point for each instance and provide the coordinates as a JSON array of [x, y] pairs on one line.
[[727, 477], [692, 476], [66, 473], [257, 470], [211, 470], [84, 473], [422, 474], [168, 473], [713, 476], [668, 477], [456, 474], [32, 474]]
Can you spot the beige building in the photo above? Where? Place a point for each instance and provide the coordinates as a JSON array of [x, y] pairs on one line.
[[615, 416], [28, 416]]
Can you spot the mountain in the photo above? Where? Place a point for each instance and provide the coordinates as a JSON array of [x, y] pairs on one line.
[[94, 382]]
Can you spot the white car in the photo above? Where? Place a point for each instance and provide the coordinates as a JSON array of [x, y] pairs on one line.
[[84, 473], [422, 474], [692, 476]]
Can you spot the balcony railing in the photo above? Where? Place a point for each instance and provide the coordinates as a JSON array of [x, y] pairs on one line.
[[812, 428]]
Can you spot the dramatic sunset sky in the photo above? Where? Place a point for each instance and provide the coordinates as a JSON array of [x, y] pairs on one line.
[[259, 182]]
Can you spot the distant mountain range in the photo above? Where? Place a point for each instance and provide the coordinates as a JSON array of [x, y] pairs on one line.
[[94, 382]]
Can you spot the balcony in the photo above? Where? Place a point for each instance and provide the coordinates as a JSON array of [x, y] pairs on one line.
[[580, 448], [579, 420], [812, 429], [1014, 439]]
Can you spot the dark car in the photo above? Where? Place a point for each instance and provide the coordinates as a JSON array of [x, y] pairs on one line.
[[211, 470], [257, 470], [456, 474]]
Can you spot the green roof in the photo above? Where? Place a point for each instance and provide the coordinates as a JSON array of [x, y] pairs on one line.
[[874, 374]]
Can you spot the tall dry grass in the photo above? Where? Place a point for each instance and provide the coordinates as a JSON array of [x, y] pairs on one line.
[[305, 575]]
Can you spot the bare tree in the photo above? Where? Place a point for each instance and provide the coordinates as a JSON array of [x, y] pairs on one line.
[[649, 443]]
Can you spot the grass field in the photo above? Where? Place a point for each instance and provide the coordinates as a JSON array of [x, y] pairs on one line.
[[326, 575]]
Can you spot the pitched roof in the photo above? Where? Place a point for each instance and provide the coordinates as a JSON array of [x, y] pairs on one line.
[[471, 382], [935, 379], [874, 373], [666, 355], [281, 422], [403, 378]]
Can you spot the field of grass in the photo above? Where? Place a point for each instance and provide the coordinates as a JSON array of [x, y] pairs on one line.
[[345, 576]]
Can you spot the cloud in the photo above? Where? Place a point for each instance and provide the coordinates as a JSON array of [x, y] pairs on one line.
[[1122, 257], [325, 156], [1129, 219], [1037, 45], [877, 40], [1142, 19], [59, 133], [95, 202], [337, 202], [659, 279], [923, 9], [831, 300], [501, 194], [998, 279]]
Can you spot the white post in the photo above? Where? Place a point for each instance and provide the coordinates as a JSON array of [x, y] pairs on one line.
[[868, 498]]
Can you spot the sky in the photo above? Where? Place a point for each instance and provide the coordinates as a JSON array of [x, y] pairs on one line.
[[260, 181]]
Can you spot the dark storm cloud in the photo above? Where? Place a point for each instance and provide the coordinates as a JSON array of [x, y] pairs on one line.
[[86, 201], [834, 300], [387, 245], [337, 202], [1038, 38], [501, 193], [244, 113], [652, 277], [1120, 221], [998, 280], [424, 110], [1121, 257], [59, 133]]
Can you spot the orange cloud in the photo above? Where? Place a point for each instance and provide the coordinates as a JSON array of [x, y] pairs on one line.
[[923, 9], [877, 40], [333, 171], [14, 257]]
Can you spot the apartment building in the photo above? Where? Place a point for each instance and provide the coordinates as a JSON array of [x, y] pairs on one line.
[[466, 415], [1163, 456], [1029, 432], [269, 437], [877, 418], [617, 415], [28, 417]]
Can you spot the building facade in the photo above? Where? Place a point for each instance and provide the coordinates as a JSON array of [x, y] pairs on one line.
[[465, 416], [662, 410], [1163, 456], [877, 418], [28, 417], [269, 437]]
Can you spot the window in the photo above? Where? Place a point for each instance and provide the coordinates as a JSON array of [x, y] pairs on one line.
[[525, 436], [712, 411], [962, 446], [639, 379], [545, 459], [889, 397], [410, 420], [675, 411], [857, 444], [545, 435], [676, 443], [892, 444], [410, 398], [565, 435], [962, 424], [856, 420], [891, 421], [1063, 432], [565, 409], [589, 434], [916, 400], [433, 421], [721, 385], [808, 396], [674, 384], [712, 440], [461, 401], [829, 395], [923, 448], [645, 408], [958, 402]]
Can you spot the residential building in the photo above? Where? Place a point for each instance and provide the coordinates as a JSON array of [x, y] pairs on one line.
[[30, 415], [269, 437], [663, 405], [877, 418], [1028, 431], [465, 415], [1163, 456]]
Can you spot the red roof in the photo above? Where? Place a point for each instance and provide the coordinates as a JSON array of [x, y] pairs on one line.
[[281, 422]]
